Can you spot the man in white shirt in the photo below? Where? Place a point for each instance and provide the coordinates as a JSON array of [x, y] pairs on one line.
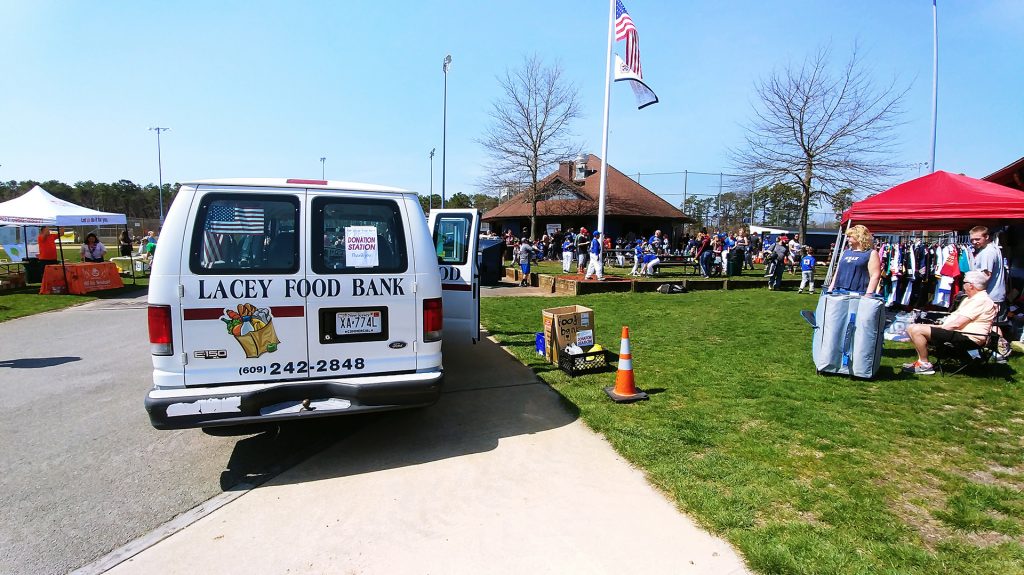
[[969, 324], [795, 249]]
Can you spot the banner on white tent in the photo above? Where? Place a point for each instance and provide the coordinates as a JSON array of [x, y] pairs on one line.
[[111, 219]]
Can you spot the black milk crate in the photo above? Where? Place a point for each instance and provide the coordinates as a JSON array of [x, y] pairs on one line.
[[586, 362]]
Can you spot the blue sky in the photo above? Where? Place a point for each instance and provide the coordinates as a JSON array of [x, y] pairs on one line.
[[265, 89]]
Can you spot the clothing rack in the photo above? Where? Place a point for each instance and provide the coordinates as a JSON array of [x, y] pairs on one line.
[[955, 238]]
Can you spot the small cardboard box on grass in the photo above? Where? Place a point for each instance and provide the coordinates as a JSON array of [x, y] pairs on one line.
[[566, 325]]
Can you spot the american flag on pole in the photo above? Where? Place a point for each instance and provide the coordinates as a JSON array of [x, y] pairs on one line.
[[625, 30], [630, 70]]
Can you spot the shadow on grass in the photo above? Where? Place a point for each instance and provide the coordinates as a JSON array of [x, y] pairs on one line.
[[897, 351]]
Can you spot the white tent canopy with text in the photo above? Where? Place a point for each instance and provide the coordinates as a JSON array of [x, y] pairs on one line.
[[37, 207]]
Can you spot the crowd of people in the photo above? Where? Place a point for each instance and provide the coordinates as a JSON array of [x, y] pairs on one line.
[[710, 251]]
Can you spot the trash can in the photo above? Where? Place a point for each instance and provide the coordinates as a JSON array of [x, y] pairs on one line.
[[33, 271], [734, 266], [492, 268]]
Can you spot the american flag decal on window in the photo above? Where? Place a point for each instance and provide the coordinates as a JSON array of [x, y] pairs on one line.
[[225, 219]]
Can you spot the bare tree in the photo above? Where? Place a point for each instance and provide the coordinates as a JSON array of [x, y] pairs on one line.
[[822, 131], [530, 130]]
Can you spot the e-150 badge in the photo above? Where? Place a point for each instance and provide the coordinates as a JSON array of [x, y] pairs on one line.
[[253, 329]]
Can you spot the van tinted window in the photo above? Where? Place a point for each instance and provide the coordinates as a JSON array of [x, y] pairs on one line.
[[238, 233], [353, 235], [451, 238]]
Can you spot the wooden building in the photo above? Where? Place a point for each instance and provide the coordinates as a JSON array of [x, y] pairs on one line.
[[569, 199]]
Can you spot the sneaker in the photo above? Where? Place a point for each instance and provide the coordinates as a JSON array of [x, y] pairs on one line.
[[999, 357], [919, 368], [1003, 347]]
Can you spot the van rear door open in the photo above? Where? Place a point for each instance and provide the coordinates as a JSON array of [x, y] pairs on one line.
[[456, 233]]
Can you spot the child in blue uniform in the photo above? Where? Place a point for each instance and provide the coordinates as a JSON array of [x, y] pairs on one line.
[[568, 251], [595, 266], [807, 264], [638, 257]]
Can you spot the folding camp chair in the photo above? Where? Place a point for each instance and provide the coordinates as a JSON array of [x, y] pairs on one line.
[[960, 356]]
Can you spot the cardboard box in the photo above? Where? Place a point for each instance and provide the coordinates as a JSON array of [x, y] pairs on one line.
[[566, 325]]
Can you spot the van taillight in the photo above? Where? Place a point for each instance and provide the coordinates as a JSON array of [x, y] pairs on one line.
[[433, 318], [160, 330]]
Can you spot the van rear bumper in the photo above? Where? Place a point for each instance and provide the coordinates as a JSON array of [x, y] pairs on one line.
[[182, 408]]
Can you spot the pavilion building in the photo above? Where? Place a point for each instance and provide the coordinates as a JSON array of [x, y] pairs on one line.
[[569, 199]]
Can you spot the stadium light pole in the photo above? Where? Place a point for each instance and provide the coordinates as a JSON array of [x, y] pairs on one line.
[[935, 78], [323, 161], [430, 198], [444, 124], [160, 171]]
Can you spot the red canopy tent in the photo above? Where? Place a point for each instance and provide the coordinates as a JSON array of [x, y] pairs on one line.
[[937, 202]]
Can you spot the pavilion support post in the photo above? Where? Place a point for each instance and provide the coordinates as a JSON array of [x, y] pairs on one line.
[[834, 261], [64, 268]]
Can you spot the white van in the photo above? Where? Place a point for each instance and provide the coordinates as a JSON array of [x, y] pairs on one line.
[[273, 299]]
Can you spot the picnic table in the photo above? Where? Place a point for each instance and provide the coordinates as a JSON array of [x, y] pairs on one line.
[[680, 261], [684, 261]]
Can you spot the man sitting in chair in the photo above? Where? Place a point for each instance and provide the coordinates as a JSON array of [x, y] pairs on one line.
[[968, 325]]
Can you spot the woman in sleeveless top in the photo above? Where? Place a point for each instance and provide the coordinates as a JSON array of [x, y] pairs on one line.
[[859, 267]]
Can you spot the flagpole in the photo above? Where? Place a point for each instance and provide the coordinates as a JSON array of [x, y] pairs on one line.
[[935, 78], [604, 137]]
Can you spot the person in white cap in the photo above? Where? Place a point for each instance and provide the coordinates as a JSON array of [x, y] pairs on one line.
[[595, 265]]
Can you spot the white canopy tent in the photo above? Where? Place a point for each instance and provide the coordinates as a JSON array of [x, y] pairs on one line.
[[37, 207]]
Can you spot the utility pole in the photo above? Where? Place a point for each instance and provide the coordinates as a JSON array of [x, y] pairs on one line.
[[160, 169], [753, 186], [430, 198], [935, 78], [686, 182], [444, 125], [323, 161], [718, 202]]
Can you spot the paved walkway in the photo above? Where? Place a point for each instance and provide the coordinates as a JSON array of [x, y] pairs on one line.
[[498, 477], [510, 288]]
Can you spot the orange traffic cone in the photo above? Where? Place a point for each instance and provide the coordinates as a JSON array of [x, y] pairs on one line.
[[625, 388]]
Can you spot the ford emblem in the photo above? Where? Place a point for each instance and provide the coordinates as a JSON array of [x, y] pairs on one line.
[[397, 345]]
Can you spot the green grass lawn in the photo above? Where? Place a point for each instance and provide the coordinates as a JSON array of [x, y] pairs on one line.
[[803, 473], [27, 301]]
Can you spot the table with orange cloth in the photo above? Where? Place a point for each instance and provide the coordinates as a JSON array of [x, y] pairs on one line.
[[83, 278]]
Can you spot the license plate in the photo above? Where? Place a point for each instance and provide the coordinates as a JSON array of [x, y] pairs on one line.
[[356, 322]]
